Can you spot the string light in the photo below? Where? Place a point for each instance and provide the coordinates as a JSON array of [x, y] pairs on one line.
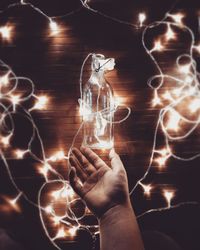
[[5, 32], [170, 35], [20, 153], [41, 103], [142, 17], [178, 18], [169, 195], [184, 88], [54, 28], [157, 46]]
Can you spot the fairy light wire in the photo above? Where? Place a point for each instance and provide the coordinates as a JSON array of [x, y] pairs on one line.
[[16, 104]]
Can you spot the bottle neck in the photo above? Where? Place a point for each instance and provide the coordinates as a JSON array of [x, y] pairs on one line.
[[97, 77]]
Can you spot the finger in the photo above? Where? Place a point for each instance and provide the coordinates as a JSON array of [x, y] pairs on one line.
[[75, 182], [80, 172], [116, 163], [83, 161], [96, 161]]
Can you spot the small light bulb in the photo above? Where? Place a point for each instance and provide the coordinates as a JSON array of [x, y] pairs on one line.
[[20, 153], [173, 121], [54, 28], [157, 46], [177, 17], [194, 105], [170, 35], [40, 103], [5, 32], [142, 17], [169, 195]]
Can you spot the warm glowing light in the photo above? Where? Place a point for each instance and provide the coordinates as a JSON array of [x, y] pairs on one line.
[[67, 192], [61, 233], [170, 35], [177, 91], [168, 196], [56, 220], [73, 230], [5, 32], [48, 209], [44, 169], [194, 105], [20, 153], [173, 121], [15, 99], [142, 17], [5, 140], [167, 96], [147, 189], [4, 80], [157, 46], [185, 69], [13, 202], [177, 17], [156, 100], [161, 160], [41, 102], [164, 151], [118, 101], [197, 48], [56, 194], [54, 28], [60, 155]]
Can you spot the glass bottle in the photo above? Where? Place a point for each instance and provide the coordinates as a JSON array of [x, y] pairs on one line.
[[98, 105]]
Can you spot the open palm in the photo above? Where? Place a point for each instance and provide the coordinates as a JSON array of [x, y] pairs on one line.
[[99, 185]]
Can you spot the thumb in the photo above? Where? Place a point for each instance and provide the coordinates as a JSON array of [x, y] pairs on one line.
[[75, 182], [116, 163]]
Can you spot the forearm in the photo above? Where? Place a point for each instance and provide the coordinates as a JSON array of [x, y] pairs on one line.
[[119, 229]]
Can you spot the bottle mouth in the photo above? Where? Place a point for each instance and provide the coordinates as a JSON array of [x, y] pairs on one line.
[[99, 62]]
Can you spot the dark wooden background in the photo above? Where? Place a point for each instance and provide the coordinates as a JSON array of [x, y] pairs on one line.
[[53, 63]]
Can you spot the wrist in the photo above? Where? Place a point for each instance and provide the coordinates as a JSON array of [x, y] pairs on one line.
[[113, 213]]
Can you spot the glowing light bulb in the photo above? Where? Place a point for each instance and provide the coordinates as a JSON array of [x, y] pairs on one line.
[[189, 79], [56, 220], [169, 195], [4, 80], [173, 121], [73, 230], [61, 233], [54, 28], [170, 35], [157, 46], [67, 192], [147, 188], [5, 140], [56, 194], [185, 69], [177, 91], [164, 151], [177, 17], [13, 202], [194, 105], [5, 32], [60, 155], [142, 17], [197, 48], [156, 100], [161, 161], [41, 102], [48, 209], [167, 96], [20, 153], [15, 99], [44, 169]]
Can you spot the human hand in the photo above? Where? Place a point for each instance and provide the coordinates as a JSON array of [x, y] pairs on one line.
[[100, 186]]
